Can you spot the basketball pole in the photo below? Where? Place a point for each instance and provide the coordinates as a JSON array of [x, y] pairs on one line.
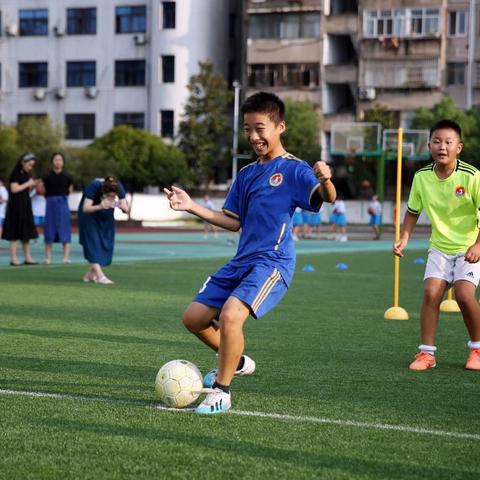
[[449, 305], [396, 312]]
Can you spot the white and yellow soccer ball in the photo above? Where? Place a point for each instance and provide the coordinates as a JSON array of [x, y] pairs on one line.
[[179, 383]]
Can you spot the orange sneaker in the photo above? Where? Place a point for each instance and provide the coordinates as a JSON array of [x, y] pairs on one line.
[[473, 362], [423, 361]]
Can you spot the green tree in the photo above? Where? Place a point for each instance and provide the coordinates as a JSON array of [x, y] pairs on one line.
[[469, 120], [205, 131], [9, 151], [380, 114], [139, 158], [303, 127], [42, 137]]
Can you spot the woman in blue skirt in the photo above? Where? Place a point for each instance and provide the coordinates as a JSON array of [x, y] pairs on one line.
[[57, 228], [96, 225]]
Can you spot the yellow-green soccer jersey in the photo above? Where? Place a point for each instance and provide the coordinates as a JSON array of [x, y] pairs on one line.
[[452, 205]]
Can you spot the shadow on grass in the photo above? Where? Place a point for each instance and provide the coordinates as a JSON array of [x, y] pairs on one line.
[[102, 370], [349, 466], [91, 336]]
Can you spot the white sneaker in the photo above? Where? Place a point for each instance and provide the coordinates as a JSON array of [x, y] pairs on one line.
[[343, 238], [247, 369], [216, 401]]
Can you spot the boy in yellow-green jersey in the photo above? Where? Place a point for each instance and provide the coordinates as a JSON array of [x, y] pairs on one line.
[[449, 192]]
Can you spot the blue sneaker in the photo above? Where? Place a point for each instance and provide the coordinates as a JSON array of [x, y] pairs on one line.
[[217, 401], [247, 369]]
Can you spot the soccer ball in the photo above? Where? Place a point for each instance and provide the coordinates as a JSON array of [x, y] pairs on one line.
[[179, 383]]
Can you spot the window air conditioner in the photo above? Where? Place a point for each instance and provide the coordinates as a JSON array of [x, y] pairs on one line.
[[140, 39], [91, 92], [11, 30], [58, 31], [60, 93], [367, 93], [39, 94]]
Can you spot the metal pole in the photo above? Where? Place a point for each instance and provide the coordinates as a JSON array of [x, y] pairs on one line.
[[236, 111]]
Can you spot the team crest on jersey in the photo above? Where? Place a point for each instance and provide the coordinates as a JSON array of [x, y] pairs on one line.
[[460, 191], [276, 179]]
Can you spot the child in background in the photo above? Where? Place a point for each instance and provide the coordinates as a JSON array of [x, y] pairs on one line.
[[375, 212], [297, 224], [39, 203]]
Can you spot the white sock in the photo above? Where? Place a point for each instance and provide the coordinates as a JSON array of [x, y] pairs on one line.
[[431, 349], [473, 345]]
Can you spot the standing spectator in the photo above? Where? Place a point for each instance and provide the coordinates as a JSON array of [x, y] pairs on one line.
[[297, 224], [19, 223], [3, 204], [58, 185], [375, 212], [96, 225], [39, 203], [315, 224], [208, 227], [341, 219]]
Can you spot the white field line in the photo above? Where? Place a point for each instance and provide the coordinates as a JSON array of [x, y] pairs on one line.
[[276, 416]]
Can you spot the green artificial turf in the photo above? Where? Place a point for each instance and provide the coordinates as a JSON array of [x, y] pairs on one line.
[[324, 353]]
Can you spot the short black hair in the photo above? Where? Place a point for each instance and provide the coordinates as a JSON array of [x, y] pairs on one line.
[[452, 125], [267, 103]]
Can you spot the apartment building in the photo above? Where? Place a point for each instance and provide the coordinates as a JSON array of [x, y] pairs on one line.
[[93, 65], [349, 55]]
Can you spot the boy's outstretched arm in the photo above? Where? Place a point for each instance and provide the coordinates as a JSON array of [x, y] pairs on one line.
[[324, 176], [181, 201], [409, 222]]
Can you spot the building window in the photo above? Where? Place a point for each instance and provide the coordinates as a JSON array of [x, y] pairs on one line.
[[168, 68], [477, 74], [131, 19], [166, 124], [130, 73], [81, 21], [285, 25], [32, 74], [80, 126], [168, 15], [457, 24], [292, 75], [81, 74], [135, 120], [33, 22], [456, 73], [401, 22]]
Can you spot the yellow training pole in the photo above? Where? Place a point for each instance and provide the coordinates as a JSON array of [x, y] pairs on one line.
[[450, 305], [396, 312]]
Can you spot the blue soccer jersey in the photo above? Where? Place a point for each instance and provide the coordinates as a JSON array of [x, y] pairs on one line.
[[264, 197]]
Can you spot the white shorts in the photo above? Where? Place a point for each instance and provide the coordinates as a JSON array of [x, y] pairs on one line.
[[451, 268]]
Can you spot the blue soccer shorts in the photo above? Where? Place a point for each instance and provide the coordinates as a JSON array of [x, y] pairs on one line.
[[260, 286]]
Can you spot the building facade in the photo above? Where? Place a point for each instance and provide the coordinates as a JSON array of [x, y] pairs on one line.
[[93, 65], [347, 56]]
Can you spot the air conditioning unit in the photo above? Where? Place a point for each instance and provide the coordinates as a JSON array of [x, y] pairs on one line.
[[91, 92], [39, 94], [58, 31], [11, 30], [140, 39], [60, 93], [367, 93]]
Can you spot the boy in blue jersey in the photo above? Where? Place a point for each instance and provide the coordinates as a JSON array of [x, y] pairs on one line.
[[261, 203]]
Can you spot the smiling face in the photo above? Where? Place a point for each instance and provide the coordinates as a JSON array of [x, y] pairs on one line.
[[445, 145], [263, 134]]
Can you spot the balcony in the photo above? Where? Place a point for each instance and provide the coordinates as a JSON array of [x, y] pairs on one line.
[[345, 73], [341, 24]]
